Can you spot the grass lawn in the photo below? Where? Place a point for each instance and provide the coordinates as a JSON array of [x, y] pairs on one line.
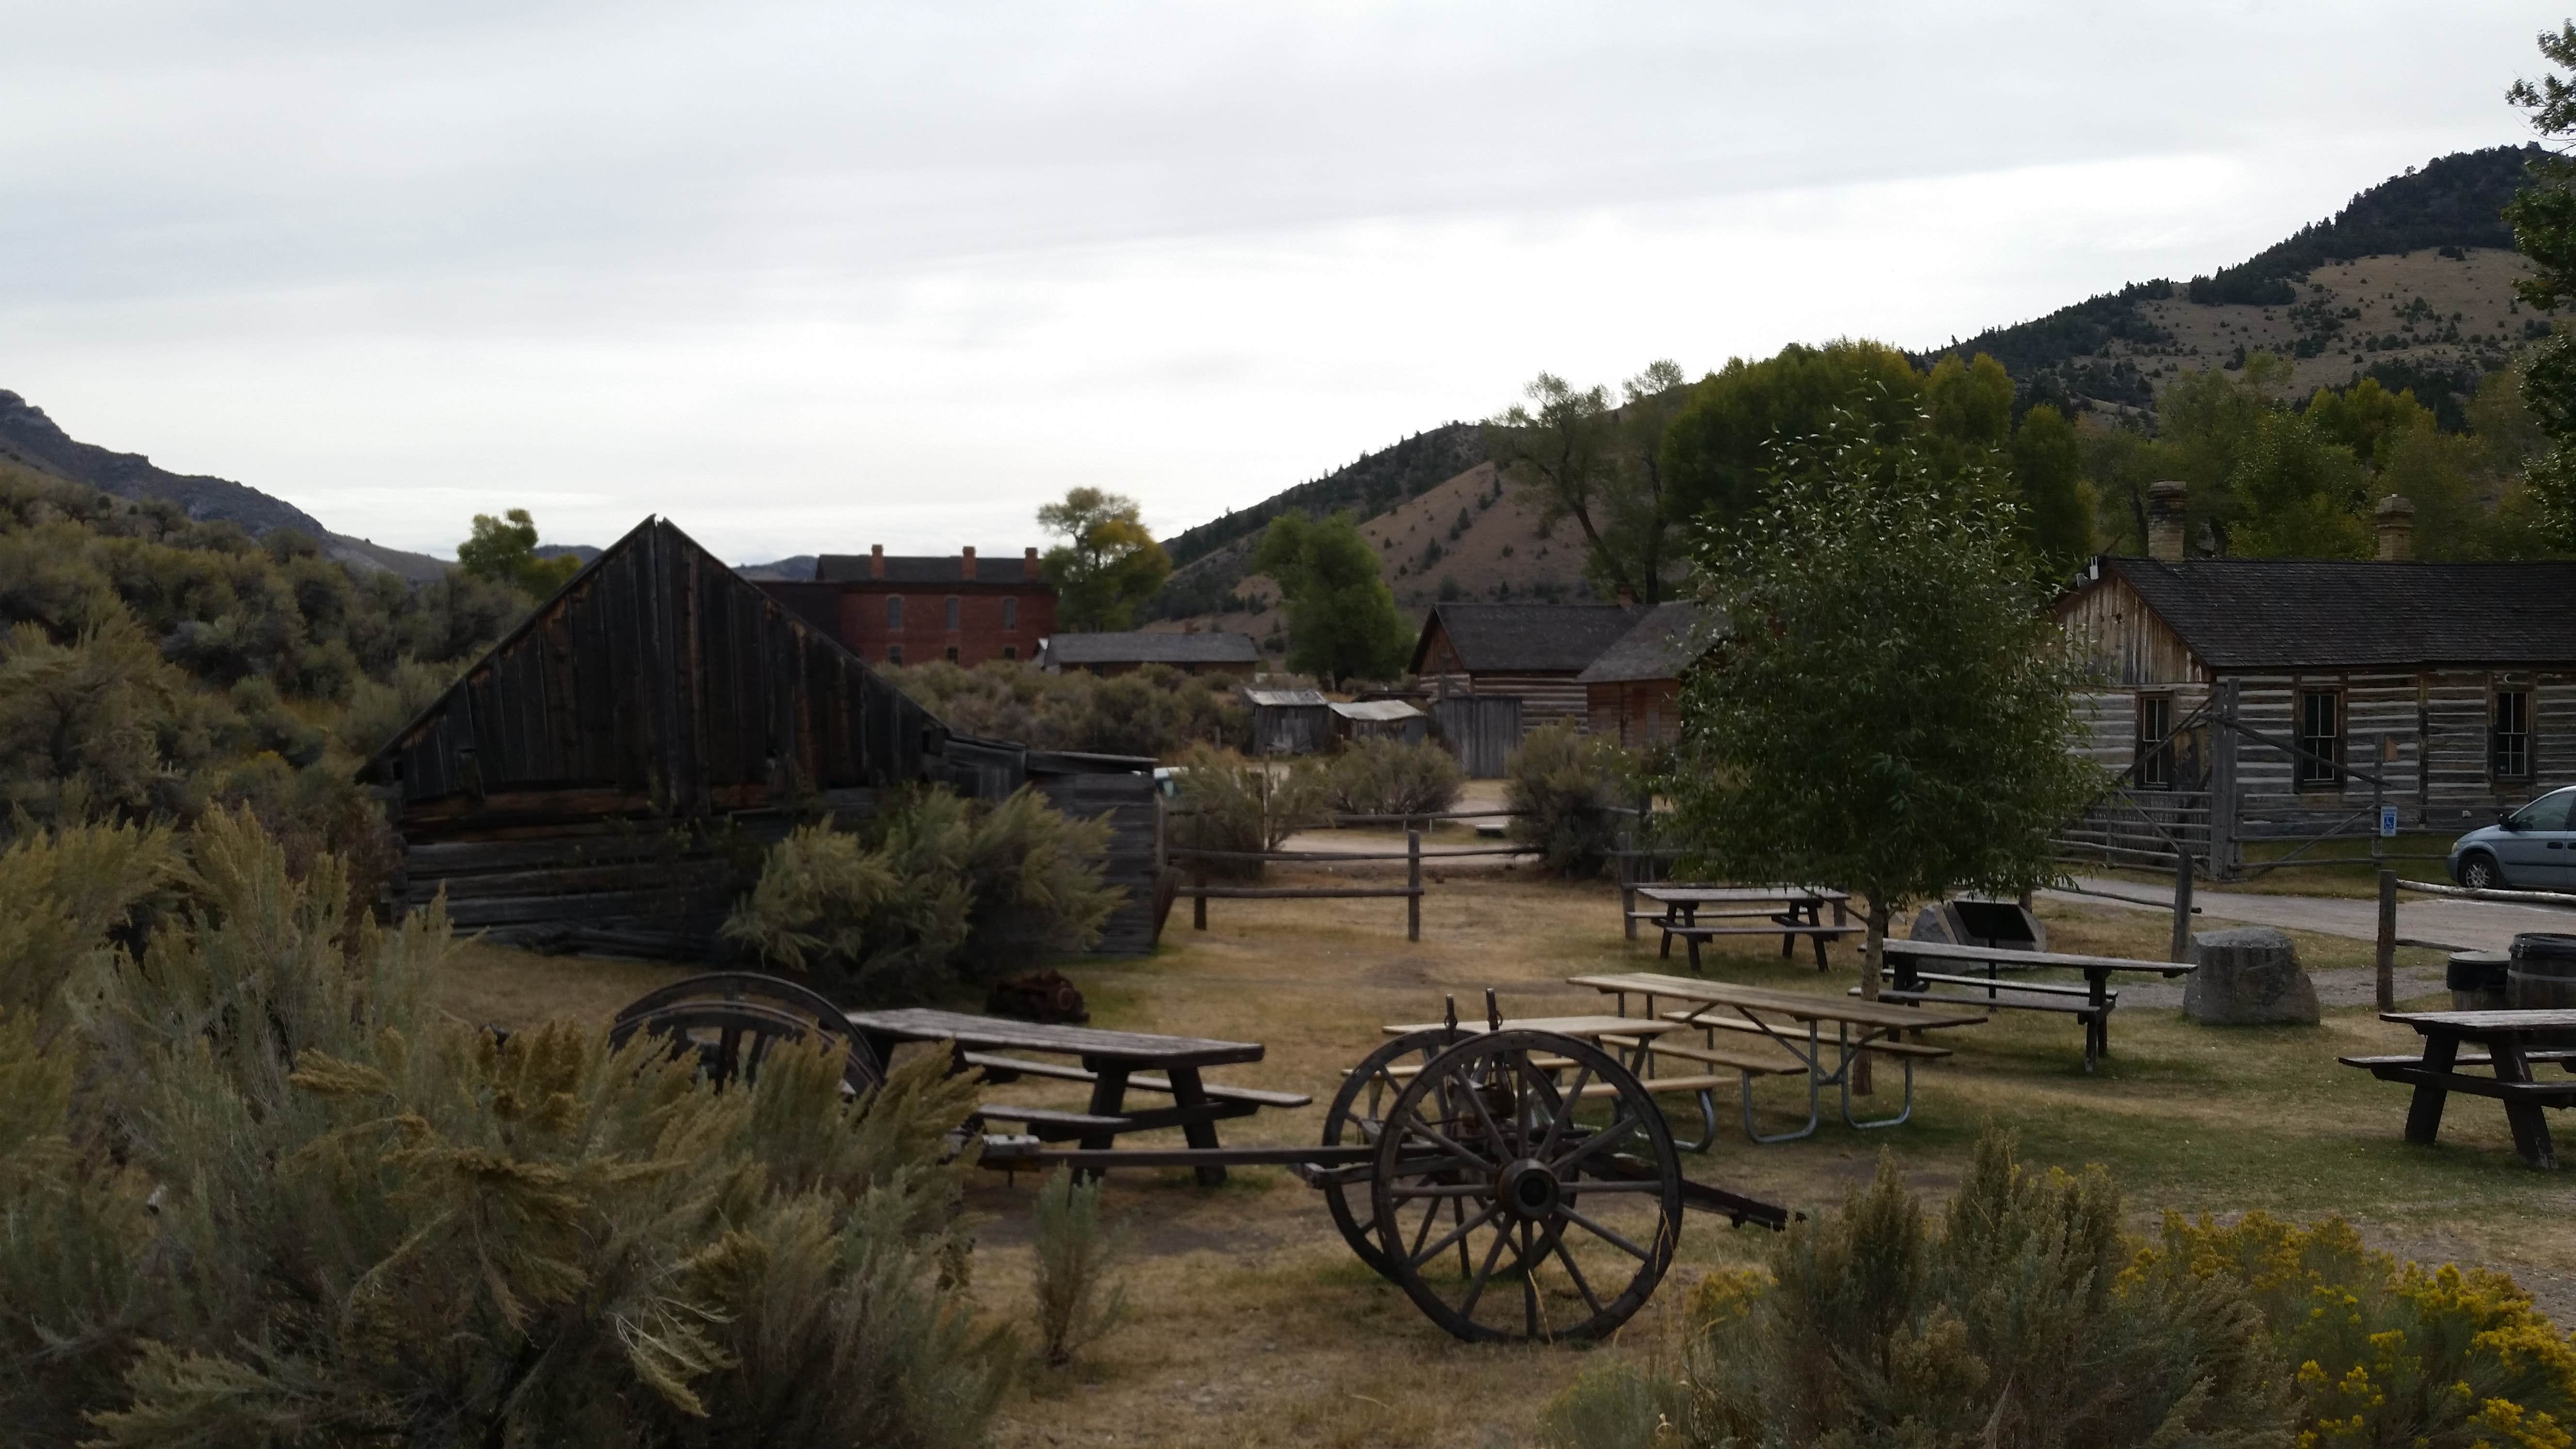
[[1255, 1326]]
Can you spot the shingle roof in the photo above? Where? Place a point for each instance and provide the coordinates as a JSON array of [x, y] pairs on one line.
[[2248, 613], [1669, 639], [1539, 638], [999, 566], [1153, 646]]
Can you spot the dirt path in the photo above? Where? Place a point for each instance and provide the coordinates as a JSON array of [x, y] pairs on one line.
[[2436, 923]]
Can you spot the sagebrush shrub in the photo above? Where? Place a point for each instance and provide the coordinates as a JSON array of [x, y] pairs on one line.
[[1566, 788], [1078, 1302], [1229, 803], [1157, 710], [259, 1189], [934, 888], [1390, 777]]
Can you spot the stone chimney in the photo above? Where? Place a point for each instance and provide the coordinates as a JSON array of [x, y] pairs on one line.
[[876, 560], [2396, 529], [1029, 563], [966, 564], [2164, 520]]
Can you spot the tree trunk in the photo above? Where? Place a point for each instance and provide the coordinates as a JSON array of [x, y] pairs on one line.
[[1873, 959]]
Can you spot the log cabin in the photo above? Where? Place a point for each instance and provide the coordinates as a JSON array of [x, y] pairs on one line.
[[1632, 694], [606, 777], [1530, 652], [2248, 699]]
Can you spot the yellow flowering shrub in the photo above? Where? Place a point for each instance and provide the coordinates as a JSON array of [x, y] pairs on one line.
[[2388, 1355]]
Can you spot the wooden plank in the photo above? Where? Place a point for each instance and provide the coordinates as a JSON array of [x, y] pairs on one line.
[[924, 1024]]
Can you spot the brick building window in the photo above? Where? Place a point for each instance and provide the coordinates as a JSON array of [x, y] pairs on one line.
[[952, 611], [894, 613], [1010, 618], [952, 653], [2509, 735], [2320, 737], [894, 652], [1010, 652], [2155, 754]]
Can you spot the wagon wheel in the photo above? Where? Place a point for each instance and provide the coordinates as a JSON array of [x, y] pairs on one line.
[[1567, 1203], [729, 1039], [1358, 1110], [772, 993]]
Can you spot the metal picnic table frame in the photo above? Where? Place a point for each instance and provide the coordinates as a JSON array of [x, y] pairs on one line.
[[1716, 1005]]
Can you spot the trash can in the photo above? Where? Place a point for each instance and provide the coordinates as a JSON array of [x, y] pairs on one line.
[[2477, 980], [2542, 977]]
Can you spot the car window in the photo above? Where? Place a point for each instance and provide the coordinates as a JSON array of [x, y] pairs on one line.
[[2549, 812]]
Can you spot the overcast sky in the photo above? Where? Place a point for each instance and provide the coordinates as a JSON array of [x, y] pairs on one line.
[[814, 276]]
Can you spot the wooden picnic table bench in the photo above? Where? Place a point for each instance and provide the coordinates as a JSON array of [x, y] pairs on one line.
[[1792, 1021], [2090, 1004], [2513, 1041], [1111, 1061], [1631, 1041], [1692, 914]]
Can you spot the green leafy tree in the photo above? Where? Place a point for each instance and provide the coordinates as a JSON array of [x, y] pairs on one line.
[[2056, 509], [2298, 493], [1604, 468], [2544, 231], [505, 549], [1717, 451], [1107, 565], [1342, 622], [1898, 723]]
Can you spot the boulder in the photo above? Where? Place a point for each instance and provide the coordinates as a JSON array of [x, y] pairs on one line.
[[2248, 977]]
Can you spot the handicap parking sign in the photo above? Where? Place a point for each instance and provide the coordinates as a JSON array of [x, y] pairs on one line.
[[2387, 820]]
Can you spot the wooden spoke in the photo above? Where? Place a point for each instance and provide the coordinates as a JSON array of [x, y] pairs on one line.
[[1358, 1115]]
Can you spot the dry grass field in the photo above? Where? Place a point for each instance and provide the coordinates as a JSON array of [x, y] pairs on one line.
[[1255, 1326]]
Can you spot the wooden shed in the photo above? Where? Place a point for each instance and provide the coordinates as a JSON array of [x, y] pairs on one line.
[[1632, 694], [605, 778], [1530, 652], [1289, 721], [2249, 699]]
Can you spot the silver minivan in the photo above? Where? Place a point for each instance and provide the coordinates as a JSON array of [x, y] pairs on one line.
[[2533, 849]]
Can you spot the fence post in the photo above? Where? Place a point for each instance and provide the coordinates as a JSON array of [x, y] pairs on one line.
[[1198, 903], [1628, 882], [2181, 950], [2387, 962], [1413, 879], [2222, 785]]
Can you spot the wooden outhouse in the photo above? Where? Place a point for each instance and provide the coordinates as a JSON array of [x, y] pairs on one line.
[[1289, 721], [2248, 699]]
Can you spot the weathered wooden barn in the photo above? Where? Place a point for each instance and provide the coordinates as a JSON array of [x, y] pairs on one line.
[[1530, 652], [605, 778], [1632, 694], [1289, 721], [2253, 699]]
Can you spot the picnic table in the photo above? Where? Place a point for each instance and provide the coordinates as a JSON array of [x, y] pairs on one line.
[[2508, 1043], [2090, 1003], [1113, 1062], [1794, 1022], [1787, 911]]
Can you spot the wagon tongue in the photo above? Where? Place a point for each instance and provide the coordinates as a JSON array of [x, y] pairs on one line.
[[1735, 1207]]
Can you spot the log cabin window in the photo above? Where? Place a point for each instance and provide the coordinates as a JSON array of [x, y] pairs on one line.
[[894, 612], [1010, 619], [952, 611], [2320, 737], [2509, 735], [2155, 742]]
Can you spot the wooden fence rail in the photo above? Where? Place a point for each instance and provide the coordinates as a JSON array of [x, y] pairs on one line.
[[1200, 892]]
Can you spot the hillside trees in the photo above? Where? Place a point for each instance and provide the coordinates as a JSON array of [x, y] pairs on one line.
[[1604, 468], [1107, 565], [2544, 228], [1342, 622], [1899, 726]]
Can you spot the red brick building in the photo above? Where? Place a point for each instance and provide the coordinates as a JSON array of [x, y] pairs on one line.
[[908, 608]]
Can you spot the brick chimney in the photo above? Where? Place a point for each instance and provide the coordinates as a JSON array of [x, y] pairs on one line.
[[876, 560], [966, 563], [2396, 528], [1028, 563], [2164, 520]]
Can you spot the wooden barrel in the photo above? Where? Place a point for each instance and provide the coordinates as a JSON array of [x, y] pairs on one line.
[[2477, 980], [2542, 977]]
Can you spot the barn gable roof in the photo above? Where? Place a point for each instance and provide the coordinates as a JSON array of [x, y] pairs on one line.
[[658, 680], [2277, 613], [1664, 643], [1524, 638]]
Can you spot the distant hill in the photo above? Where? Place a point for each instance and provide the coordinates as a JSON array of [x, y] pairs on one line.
[[2339, 296], [31, 439]]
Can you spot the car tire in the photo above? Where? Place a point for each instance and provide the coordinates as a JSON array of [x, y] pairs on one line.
[[2481, 873]]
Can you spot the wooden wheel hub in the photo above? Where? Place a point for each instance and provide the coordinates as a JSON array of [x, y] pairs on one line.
[[1529, 1190]]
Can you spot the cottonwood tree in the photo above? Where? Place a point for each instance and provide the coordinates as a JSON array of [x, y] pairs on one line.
[[1603, 467], [1891, 711], [2544, 230], [1341, 615], [1107, 565], [505, 549]]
